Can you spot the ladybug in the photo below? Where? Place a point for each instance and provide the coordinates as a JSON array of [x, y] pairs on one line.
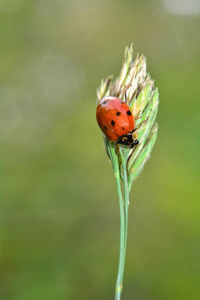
[[116, 121]]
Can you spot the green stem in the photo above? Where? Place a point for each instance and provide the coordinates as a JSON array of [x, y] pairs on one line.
[[123, 208], [119, 282], [126, 200]]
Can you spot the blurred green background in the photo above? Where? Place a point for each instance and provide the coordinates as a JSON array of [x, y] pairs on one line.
[[59, 206]]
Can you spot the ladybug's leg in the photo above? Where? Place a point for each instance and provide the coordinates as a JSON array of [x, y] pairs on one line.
[[140, 124], [138, 115], [136, 142]]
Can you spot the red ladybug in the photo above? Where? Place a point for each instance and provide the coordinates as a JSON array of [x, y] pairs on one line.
[[116, 121]]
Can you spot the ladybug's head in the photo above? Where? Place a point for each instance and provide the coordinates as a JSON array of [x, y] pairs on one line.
[[130, 139]]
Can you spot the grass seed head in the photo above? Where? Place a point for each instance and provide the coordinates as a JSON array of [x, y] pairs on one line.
[[134, 86]]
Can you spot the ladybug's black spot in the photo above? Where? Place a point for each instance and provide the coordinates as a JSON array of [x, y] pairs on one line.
[[118, 113], [113, 123], [122, 102], [105, 127], [128, 112], [123, 128]]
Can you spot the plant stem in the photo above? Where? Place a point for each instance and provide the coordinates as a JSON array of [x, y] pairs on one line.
[[116, 170], [126, 199], [123, 208], [119, 282]]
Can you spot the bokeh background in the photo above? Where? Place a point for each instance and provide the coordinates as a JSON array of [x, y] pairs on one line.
[[59, 207]]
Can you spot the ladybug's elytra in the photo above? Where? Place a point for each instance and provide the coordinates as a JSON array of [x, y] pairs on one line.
[[116, 121]]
